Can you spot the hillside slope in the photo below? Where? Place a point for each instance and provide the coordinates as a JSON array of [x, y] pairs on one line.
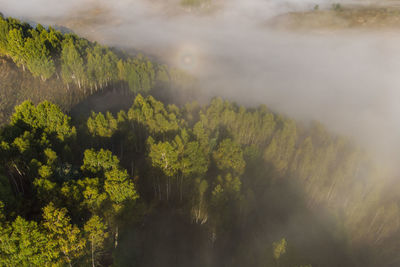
[[340, 18], [17, 86]]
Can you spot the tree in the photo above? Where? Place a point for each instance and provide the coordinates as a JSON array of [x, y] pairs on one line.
[[280, 150], [101, 66], [117, 183], [119, 187], [23, 244], [163, 155], [102, 126], [72, 66], [193, 160], [46, 116], [4, 29], [162, 76], [279, 249], [110, 67], [96, 232], [133, 78], [94, 67], [199, 210], [38, 59], [66, 239], [96, 162], [16, 47], [229, 157]]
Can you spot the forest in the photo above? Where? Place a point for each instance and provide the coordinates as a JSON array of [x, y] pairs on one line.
[[164, 184], [44, 64]]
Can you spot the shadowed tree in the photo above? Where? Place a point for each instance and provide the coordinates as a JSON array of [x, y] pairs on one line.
[[96, 232]]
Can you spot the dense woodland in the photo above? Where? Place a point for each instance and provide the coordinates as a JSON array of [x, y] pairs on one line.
[[44, 64], [158, 184]]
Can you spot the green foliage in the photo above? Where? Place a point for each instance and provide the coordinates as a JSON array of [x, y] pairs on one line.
[[87, 65], [38, 59], [153, 115], [279, 248], [16, 46], [4, 29], [85, 194], [139, 73], [164, 156], [119, 186], [215, 166], [64, 238], [229, 157], [226, 188], [193, 3], [23, 244], [96, 232], [96, 161], [282, 146], [102, 126], [46, 116], [336, 7], [72, 65], [191, 157]]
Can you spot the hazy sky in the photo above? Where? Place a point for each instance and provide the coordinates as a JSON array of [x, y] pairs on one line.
[[348, 80]]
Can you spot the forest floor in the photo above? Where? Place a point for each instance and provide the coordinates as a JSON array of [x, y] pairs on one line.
[[17, 86]]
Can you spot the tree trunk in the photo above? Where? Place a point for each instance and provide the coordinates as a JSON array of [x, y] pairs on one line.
[[167, 187], [181, 187], [92, 253], [159, 188], [116, 237], [68, 259], [15, 182]]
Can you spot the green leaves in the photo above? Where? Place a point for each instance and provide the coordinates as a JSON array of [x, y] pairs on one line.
[[180, 155], [117, 183], [153, 115], [72, 65], [282, 146], [97, 161], [16, 46], [119, 186], [80, 63], [101, 66], [164, 156], [96, 232], [38, 59], [4, 28], [64, 238], [229, 157], [139, 73], [45, 116], [279, 248], [102, 126], [23, 244]]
